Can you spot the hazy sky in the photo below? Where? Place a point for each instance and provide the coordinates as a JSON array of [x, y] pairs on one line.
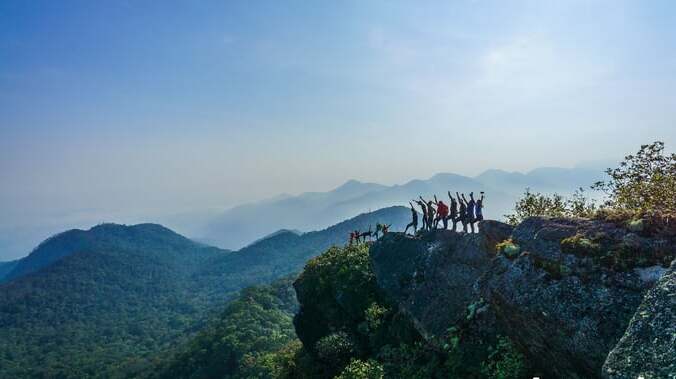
[[148, 106]]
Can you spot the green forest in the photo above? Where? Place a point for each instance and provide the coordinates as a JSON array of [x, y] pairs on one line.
[[105, 302]]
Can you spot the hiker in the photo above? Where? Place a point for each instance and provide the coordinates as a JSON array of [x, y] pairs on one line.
[[414, 220], [478, 208], [453, 210], [379, 227], [351, 238], [442, 214], [424, 213], [462, 212], [430, 213], [471, 205], [386, 228], [366, 235]]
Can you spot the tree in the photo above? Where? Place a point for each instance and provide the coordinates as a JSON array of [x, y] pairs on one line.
[[537, 204], [645, 181]]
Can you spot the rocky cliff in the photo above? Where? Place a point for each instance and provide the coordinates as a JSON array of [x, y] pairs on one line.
[[562, 291], [648, 347]]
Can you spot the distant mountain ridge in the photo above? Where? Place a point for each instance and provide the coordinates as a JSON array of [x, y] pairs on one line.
[[314, 210]]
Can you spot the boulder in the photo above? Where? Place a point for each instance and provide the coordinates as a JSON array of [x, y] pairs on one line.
[[648, 347]]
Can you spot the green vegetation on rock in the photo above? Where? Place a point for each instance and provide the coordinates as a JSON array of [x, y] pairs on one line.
[[508, 248]]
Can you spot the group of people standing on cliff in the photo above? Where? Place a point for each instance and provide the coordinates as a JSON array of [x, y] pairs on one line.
[[459, 210], [466, 212]]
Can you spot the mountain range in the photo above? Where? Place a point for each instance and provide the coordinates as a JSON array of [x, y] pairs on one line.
[[238, 226], [85, 303], [313, 210]]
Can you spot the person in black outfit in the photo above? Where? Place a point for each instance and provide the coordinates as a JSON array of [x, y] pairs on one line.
[[414, 220], [471, 205], [453, 215], [424, 213], [430, 213], [462, 213], [478, 209]]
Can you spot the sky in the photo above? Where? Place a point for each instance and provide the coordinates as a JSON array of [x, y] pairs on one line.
[[127, 110]]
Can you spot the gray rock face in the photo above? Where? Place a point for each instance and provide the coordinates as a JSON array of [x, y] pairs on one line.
[[564, 310], [431, 273], [648, 348], [561, 307]]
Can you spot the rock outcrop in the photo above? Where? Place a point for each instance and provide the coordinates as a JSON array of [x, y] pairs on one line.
[[648, 348], [564, 295], [433, 272]]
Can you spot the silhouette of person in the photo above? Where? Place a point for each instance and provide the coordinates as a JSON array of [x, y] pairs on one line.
[[424, 212], [442, 214], [430, 213], [462, 212], [478, 209], [414, 220], [471, 206], [453, 210], [367, 235]]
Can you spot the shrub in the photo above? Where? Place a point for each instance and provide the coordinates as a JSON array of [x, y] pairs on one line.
[[537, 204], [644, 181], [508, 248], [504, 361], [335, 351], [580, 245], [358, 369]]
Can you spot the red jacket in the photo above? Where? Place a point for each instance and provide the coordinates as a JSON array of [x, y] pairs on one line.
[[442, 210]]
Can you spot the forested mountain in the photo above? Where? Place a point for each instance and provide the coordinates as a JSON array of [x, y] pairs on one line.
[[286, 252], [6, 267], [241, 342], [113, 296], [142, 237], [311, 211]]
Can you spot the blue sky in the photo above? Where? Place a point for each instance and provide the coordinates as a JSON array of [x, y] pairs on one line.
[[171, 106]]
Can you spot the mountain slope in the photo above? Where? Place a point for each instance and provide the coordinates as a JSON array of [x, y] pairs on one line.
[[106, 236], [242, 224], [108, 299], [259, 321], [6, 267], [287, 252], [85, 313], [312, 211], [102, 295]]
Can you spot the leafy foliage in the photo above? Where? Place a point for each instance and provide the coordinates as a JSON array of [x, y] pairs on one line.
[[537, 204], [90, 312], [357, 369], [508, 248], [504, 362], [644, 181], [239, 343]]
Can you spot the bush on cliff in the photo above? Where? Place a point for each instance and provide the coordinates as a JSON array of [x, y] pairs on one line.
[[644, 181], [641, 190], [537, 204]]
